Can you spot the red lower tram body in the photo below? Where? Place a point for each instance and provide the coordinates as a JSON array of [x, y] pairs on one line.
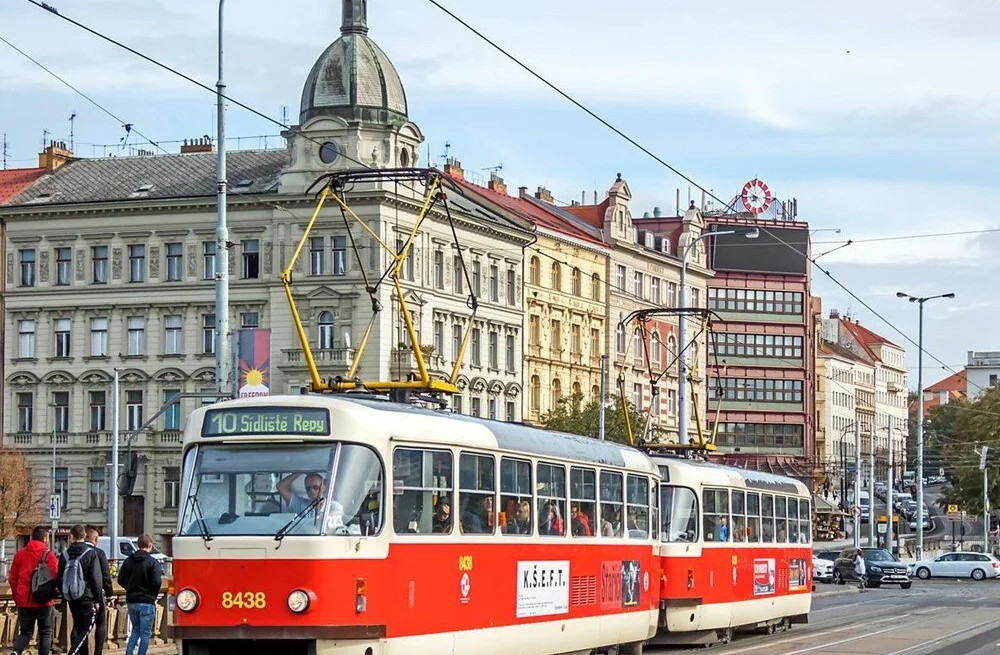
[[419, 598]]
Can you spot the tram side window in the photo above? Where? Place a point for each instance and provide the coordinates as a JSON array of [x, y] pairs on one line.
[[654, 511], [612, 493], [780, 520], [637, 501], [767, 518], [805, 521], [680, 514], [551, 500], [476, 492], [422, 491], [716, 505], [739, 526], [582, 501], [793, 521], [515, 496], [753, 517]]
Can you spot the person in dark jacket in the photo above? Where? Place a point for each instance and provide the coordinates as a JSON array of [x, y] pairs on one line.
[[30, 612], [101, 622], [140, 575], [85, 608]]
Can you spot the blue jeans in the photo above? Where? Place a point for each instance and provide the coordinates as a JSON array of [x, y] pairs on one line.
[[141, 616]]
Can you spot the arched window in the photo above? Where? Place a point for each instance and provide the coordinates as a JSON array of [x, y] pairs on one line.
[[595, 286], [576, 389], [577, 284], [637, 351], [595, 393], [671, 350], [534, 272], [556, 276], [620, 338], [556, 393], [654, 349], [404, 158], [325, 330], [536, 393]]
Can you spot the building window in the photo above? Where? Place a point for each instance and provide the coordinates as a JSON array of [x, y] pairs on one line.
[[534, 272], [671, 350], [511, 291], [575, 282], [137, 263], [491, 408], [437, 336], [755, 301], [98, 410], [317, 250], [26, 338], [637, 349], [757, 390], [671, 294], [63, 336], [64, 266], [672, 402], [457, 403], [555, 337], [494, 348], [595, 345], [509, 355], [477, 278], [99, 264], [576, 341], [536, 393], [556, 394], [620, 277], [251, 259], [534, 330], [62, 484], [133, 409], [171, 487], [456, 340], [654, 349], [595, 286], [175, 262], [438, 269], [654, 290], [174, 338], [136, 335], [325, 330], [339, 263], [695, 297], [209, 249], [27, 258], [637, 284], [556, 276], [511, 411], [96, 489], [249, 320], [620, 338], [25, 411], [494, 283], [458, 275], [208, 333], [756, 345], [60, 402], [407, 268], [637, 396], [772, 436], [477, 406], [477, 337], [98, 337], [172, 414]]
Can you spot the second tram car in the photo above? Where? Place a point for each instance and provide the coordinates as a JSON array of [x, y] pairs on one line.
[[735, 551], [345, 525]]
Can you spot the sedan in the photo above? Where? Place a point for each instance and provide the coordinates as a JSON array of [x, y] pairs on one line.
[[822, 569], [977, 566]]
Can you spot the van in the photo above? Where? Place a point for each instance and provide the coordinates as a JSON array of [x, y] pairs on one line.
[[126, 546]]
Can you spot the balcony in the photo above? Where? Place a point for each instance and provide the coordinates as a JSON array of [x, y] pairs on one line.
[[895, 387], [404, 362], [334, 357]]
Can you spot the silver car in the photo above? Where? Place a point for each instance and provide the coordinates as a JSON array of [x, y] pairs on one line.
[[978, 566]]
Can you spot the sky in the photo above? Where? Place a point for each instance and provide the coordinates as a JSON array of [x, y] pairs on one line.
[[876, 116]]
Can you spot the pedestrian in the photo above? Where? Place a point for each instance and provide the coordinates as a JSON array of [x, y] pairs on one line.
[[860, 569], [140, 575], [101, 617], [82, 585], [32, 611]]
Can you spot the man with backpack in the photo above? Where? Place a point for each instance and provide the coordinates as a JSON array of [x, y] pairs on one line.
[[33, 584], [140, 575], [82, 586]]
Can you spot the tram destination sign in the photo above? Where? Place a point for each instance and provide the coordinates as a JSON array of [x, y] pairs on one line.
[[235, 421]]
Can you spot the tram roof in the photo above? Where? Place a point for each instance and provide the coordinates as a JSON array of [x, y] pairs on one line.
[[710, 472]]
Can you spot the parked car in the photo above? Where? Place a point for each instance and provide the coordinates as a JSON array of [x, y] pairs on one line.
[[829, 555], [126, 546], [822, 569], [978, 566], [928, 522], [880, 568]]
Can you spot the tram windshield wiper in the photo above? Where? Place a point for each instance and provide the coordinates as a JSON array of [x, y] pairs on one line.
[[192, 501], [295, 520]]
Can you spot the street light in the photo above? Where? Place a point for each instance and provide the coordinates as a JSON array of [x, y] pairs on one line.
[[682, 417], [920, 412]]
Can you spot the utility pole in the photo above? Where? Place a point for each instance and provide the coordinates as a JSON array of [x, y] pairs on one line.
[[113, 505], [871, 486], [888, 493], [223, 343], [604, 391], [857, 485], [986, 498]]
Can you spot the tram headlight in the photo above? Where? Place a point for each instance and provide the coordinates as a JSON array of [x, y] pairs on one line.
[[187, 600], [298, 601]]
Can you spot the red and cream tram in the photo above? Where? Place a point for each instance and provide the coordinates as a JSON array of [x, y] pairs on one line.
[[346, 525], [735, 551]]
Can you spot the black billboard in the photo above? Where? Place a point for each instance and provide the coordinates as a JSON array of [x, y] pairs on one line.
[[775, 250]]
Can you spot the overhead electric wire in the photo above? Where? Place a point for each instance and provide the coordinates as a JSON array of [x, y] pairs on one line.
[[128, 126]]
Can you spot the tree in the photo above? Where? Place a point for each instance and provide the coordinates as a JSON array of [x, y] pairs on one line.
[[18, 506], [571, 415], [972, 425]]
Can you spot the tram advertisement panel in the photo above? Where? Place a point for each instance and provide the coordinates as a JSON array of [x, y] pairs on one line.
[[542, 588], [797, 579], [763, 576]]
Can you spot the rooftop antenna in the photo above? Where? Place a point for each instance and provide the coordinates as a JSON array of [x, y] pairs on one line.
[[45, 138], [72, 119], [284, 114], [5, 151], [494, 169], [447, 151]]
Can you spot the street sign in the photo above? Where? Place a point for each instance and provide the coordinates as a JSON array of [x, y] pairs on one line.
[[55, 507], [852, 468], [954, 514]]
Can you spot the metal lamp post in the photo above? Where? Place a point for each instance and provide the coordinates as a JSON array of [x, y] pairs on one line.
[[682, 413], [920, 413], [223, 351]]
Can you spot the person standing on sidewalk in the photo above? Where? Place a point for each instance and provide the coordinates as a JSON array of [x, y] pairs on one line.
[[29, 610], [101, 621], [81, 584], [140, 575]]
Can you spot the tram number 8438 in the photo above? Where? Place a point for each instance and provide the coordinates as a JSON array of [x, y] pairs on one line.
[[247, 600]]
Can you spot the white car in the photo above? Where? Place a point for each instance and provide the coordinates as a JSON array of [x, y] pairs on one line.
[[822, 570], [977, 566]]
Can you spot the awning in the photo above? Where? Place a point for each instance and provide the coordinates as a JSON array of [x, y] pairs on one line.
[[822, 506]]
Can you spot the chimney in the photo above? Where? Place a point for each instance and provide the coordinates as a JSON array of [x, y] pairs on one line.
[[497, 184], [656, 212], [544, 194], [54, 155], [201, 144], [453, 167], [522, 192], [834, 314]]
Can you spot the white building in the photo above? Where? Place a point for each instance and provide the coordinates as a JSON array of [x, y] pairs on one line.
[[982, 372]]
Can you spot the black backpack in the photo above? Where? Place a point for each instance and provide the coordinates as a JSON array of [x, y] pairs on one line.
[[43, 583]]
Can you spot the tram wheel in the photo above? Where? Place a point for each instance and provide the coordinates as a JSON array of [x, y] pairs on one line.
[[724, 635]]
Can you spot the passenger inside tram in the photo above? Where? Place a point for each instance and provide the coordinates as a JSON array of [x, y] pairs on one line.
[[442, 516], [520, 523], [552, 522], [580, 522]]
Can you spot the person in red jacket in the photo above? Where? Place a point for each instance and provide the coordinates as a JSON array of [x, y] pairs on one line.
[[30, 612]]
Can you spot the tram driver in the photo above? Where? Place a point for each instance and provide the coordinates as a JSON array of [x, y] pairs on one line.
[[316, 487]]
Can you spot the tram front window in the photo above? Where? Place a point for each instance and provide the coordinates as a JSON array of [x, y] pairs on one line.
[[679, 513], [282, 489]]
